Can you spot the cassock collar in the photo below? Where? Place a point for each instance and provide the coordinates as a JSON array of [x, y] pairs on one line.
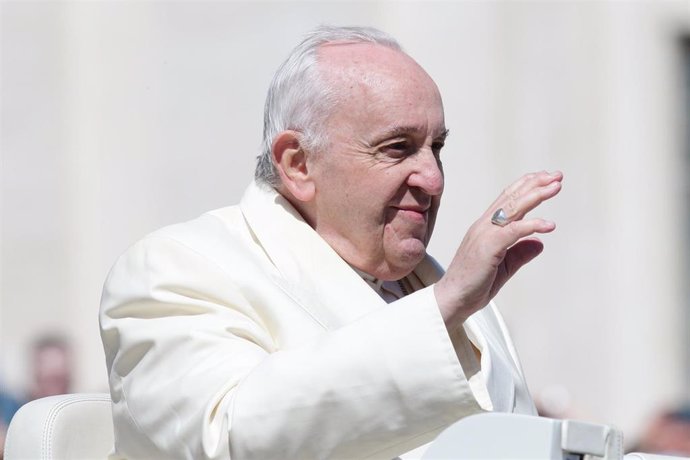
[[311, 271]]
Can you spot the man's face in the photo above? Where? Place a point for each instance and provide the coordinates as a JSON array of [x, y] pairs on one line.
[[379, 180]]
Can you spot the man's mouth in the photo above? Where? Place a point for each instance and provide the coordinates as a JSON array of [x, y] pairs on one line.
[[413, 213]]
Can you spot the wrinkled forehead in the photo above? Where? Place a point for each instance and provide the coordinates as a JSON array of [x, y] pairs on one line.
[[357, 54], [356, 67], [377, 89]]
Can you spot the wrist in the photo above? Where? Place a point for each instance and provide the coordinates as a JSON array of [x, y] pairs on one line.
[[451, 312]]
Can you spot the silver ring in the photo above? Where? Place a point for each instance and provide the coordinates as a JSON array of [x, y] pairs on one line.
[[499, 218]]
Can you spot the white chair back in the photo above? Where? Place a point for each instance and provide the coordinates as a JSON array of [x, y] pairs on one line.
[[74, 426]]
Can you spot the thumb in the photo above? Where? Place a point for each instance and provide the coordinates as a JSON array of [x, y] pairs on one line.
[[521, 253], [516, 256]]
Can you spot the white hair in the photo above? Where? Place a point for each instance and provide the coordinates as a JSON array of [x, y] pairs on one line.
[[299, 99]]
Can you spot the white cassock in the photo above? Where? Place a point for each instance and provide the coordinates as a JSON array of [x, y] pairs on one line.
[[243, 335]]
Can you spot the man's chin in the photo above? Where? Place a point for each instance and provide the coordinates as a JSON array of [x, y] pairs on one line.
[[407, 259]]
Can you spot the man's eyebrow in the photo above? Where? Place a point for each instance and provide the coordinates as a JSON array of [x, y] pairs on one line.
[[397, 131]]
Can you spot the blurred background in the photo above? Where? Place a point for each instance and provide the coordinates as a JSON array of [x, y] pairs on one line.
[[122, 117]]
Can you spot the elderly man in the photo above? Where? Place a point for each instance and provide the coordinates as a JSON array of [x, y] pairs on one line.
[[308, 321]]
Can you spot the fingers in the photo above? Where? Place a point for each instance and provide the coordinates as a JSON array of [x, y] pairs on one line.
[[516, 257], [519, 229], [527, 193], [540, 178], [517, 200], [522, 253]]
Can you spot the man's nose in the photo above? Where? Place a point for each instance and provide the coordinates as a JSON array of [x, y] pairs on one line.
[[427, 174]]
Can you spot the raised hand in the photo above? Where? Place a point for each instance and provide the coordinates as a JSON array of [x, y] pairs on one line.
[[493, 250]]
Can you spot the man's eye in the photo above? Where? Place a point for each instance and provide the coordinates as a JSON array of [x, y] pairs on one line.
[[436, 147], [398, 145], [396, 148]]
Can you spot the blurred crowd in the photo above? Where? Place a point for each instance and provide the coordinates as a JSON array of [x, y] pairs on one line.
[[51, 374], [666, 433]]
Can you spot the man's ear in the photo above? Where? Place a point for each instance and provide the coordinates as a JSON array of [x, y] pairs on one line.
[[291, 162]]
